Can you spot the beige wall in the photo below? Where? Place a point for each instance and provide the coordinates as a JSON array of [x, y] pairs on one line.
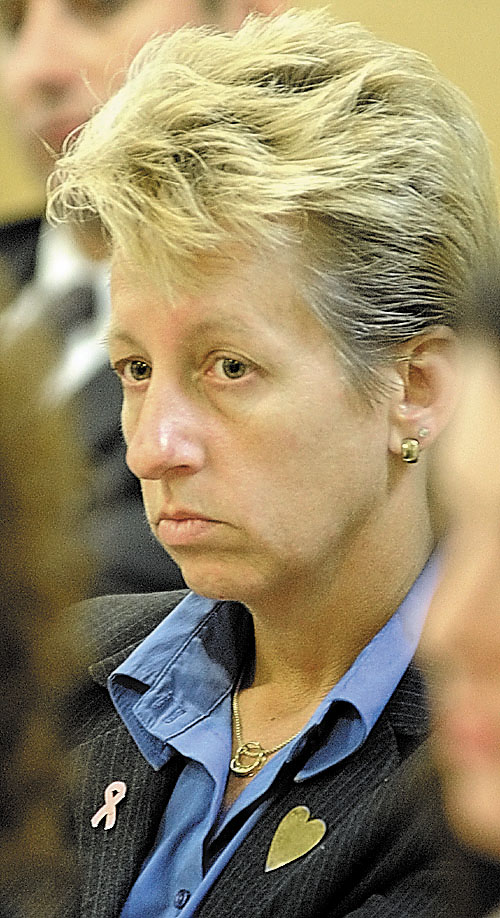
[[462, 37]]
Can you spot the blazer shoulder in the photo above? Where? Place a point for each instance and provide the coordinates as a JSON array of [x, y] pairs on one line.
[[407, 711], [104, 630], [106, 626]]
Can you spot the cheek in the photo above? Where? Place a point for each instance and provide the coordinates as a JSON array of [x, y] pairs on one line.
[[137, 27], [125, 427], [151, 494], [129, 415], [164, 17], [104, 59], [311, 467]]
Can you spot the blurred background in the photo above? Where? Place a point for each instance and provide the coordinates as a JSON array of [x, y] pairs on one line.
[[462, 38]]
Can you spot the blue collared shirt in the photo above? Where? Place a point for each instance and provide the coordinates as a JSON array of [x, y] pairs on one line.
[[174, 695]]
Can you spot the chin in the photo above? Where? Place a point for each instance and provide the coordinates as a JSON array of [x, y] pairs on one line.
[[216, 582], [212, 588]]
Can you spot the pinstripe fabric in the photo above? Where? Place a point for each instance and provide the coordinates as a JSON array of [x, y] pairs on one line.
[[376, 858]]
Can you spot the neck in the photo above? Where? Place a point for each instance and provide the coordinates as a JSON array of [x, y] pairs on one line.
[[309, 637]]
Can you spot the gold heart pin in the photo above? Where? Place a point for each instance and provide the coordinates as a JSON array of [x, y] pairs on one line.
[[295, 836]]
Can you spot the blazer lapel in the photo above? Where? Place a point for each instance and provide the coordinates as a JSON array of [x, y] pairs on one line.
[[111, 859], [367, 809]]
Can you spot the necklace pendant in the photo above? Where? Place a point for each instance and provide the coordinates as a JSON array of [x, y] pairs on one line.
[[248, 758]]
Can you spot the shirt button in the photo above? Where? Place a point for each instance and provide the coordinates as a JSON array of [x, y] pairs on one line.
[[181, 897]]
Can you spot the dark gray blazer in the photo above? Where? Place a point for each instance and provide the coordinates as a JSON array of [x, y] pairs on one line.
[[377, 858]]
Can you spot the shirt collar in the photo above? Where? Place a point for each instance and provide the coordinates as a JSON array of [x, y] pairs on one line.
[[182, 671], [364, 690]]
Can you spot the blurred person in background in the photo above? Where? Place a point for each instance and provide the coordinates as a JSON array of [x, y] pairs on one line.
[[41, 572], [461, 640], [294, 211], [58, 60]]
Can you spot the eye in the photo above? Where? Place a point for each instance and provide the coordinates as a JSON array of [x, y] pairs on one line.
[[231, 368], [132, 370], [93, 8], [13, 12]]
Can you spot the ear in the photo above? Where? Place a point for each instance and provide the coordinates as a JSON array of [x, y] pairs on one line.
[[427, 388]]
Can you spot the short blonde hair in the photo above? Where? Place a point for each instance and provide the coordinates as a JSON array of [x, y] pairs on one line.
[[295, 130]]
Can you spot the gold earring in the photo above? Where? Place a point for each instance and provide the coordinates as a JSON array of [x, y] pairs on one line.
[[410, 449]]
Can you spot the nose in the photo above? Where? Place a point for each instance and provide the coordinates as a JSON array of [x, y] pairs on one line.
[[164, 434], [42, 57]]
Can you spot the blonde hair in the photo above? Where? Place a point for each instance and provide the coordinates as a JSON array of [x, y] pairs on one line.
[[294, 130]]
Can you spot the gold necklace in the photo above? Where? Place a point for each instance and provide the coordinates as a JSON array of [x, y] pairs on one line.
[[249, 757]]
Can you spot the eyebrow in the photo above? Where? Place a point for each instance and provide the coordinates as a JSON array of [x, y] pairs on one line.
[[114, 334], [218, 324]]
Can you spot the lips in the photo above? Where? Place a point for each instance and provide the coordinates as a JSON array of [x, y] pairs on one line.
[[184, 528], [182, 515]]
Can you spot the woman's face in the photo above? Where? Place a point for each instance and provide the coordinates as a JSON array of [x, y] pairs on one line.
[[462, 636], [259, 465]]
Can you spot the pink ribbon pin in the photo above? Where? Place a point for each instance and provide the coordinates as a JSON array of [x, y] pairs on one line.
[[112, 796]]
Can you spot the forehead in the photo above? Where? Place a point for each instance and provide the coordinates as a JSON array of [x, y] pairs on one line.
[[245, 295], [234, 281]]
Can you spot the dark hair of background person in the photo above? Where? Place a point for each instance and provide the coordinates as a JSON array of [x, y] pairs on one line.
[[41, 573]]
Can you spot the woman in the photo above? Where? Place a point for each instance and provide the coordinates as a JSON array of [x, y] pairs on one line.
[[292, 222]]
